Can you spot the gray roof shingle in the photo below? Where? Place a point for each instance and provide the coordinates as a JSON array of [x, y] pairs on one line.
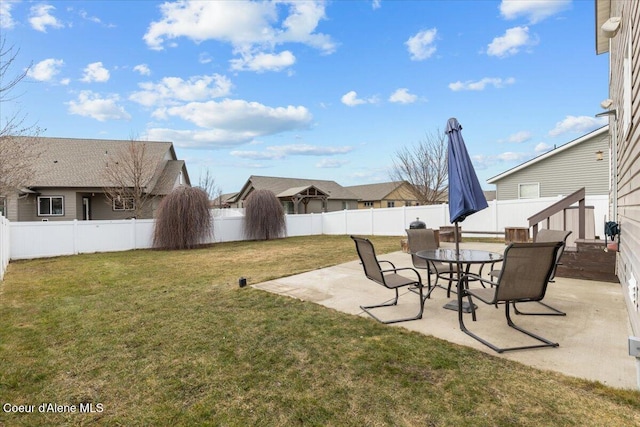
[[71, 162]]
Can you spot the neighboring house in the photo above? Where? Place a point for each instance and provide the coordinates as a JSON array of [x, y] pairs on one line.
[[300, 195], [223, 201], [69, 180], [617, 32], [384, 195], [583, 162]]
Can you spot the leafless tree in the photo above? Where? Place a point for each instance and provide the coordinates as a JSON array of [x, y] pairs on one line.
[[264, 216], [183, 220], [17, 146], [208, 183], [424, 167], [128, 173]]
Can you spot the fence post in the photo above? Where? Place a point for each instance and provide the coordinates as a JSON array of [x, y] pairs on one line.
[[75, 237], [133, 233]]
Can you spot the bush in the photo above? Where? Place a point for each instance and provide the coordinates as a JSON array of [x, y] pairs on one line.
[[264, 216], [182, 219]]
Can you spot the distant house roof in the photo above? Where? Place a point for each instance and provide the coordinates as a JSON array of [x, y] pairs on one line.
[[291, 192], [548, 154], [71, 162], [377, 191], [281, 185]]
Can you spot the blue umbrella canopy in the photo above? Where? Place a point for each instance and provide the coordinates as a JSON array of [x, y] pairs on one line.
[[465, 193]]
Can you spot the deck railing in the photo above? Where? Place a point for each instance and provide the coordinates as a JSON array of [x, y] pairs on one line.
[[561, 206]]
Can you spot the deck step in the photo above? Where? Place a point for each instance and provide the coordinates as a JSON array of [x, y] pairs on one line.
[[588, 261]]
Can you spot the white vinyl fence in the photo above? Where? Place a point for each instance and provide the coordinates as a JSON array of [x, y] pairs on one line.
[[54, 238], [5, 244]]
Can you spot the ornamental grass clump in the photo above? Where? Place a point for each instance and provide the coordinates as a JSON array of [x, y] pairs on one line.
[[264, 216], [183, 220]]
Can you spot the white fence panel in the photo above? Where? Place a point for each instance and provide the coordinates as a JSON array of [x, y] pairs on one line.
[[335, 222], [358, 221], [55, 238], [228, 229], [303, 225], [5, 244], [388, 222], [42, 239], [432, 215]]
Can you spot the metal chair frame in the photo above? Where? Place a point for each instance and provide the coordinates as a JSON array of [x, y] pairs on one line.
[[494, 295], [389, 278]]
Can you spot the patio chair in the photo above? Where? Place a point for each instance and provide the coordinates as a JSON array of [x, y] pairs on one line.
[[545, 235], [389, 278], [422, 239], [525, 273]]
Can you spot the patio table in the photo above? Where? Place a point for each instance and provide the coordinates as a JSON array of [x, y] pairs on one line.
[[465, 258]]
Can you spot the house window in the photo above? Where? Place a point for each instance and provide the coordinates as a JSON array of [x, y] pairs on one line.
[[50, 206], [345, 205], [124, 204], [529, 190], [391, 204], [288, 207], [3, 207], [368, 204]]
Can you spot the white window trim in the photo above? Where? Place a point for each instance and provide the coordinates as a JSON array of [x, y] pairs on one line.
[[50, 205], [537, 184], [124, 205]]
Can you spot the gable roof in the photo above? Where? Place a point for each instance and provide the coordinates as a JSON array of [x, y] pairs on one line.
[[280, 185], [73, 162], [590, 135], [379, 191]]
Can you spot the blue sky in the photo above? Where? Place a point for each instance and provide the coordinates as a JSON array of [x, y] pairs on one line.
[[310, 89]]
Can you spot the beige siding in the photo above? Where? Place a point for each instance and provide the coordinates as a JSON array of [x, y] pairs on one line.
[[564, 172], [628, 163]]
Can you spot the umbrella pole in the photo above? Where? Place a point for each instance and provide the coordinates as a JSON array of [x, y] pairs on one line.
[[456, 236]]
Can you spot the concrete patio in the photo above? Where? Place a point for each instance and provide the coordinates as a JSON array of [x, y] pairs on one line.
[[593, 336]]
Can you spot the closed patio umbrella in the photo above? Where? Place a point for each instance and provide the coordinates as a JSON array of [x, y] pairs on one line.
[[465, 194]]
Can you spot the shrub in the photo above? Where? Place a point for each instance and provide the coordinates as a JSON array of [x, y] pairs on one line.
[[264, 216], [183, 219]]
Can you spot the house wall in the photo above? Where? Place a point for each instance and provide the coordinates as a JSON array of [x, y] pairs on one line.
[[627, 147], [564, 172], [26, 209]]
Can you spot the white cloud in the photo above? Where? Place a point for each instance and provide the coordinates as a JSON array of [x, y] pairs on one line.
[[376, 4], [542, 147], [143, 69], [519, 137], [40, 18], [246, 25], [230, 122], [511, 42], [95, 72], [261, 62], [351, 99], [241, 115], [170, 90], [200, 138], [422, 45], [204, 58], [481, 84], [403, 96], [331, 163], [535, 10], [45, 70], [580, 124], [90, 104], [282, 151], [6, 20], [510, 156]]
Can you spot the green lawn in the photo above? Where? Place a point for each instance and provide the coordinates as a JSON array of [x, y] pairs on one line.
[[154, 338]]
